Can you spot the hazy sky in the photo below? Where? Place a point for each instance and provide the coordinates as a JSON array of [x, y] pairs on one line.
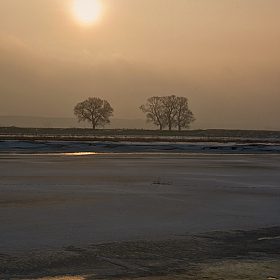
[[224, 56]]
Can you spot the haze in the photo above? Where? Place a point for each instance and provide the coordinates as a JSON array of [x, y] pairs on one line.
[[224, 56]]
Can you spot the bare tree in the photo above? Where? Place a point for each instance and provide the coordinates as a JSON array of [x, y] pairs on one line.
[[155, 111], [170, 108], [168, 111], [94, 110], [184, 116]]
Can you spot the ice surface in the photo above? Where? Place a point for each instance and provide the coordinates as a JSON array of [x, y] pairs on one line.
[[51, 201]]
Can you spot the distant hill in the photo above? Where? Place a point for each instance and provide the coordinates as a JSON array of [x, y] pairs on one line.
[[45, 122]]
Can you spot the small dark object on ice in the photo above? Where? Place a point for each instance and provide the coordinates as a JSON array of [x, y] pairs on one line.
[[159, 182]]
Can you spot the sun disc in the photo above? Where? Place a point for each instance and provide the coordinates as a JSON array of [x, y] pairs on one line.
[[86, 10]]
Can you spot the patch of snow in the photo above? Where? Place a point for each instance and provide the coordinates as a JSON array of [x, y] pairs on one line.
[[11, 146]]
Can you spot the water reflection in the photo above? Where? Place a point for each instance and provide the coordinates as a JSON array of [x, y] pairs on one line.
[[75, 154]]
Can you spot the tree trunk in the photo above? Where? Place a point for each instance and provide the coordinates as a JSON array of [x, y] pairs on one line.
[[160, 126], [93, 126]]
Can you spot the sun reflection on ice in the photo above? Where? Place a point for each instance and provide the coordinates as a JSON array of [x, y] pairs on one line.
[[78, 154]]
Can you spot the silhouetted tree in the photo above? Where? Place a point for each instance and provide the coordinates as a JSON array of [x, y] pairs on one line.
[[184, 116], [168, 111], [155, 111], [94, 110]]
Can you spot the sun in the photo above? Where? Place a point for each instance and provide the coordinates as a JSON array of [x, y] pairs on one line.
[[86, 11]]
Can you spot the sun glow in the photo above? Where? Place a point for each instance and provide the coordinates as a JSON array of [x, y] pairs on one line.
[[86, 11]]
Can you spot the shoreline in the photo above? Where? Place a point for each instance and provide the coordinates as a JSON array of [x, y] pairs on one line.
[[127, 147]]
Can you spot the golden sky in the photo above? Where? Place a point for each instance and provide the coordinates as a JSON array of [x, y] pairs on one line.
[[224, 56]]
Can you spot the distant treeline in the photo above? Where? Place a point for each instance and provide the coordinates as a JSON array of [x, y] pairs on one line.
[[112, 134]]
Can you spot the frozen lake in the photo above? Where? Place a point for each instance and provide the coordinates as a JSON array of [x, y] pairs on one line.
[[51, 201]]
